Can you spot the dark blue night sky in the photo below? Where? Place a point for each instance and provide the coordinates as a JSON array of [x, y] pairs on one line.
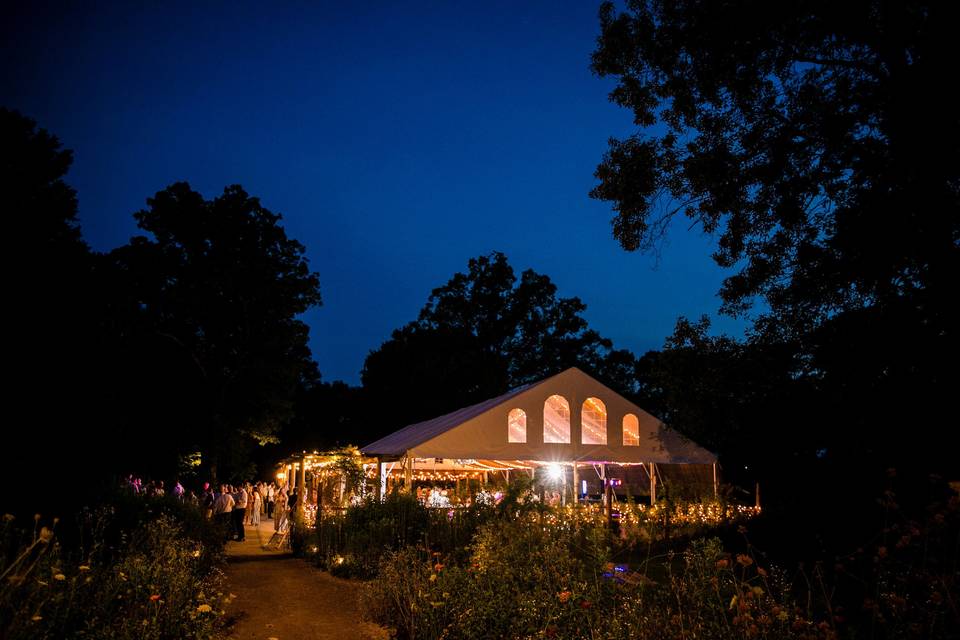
[[396, 140]]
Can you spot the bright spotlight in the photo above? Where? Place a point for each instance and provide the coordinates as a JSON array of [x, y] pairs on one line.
[[554, 472]]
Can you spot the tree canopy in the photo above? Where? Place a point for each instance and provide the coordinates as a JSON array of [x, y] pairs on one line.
[[818, 140], [818, 143], [482, 333], [220, 286]]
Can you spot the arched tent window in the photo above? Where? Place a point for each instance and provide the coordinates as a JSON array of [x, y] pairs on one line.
[[517, 426], [631, 431], [593, 421], [556, 420]]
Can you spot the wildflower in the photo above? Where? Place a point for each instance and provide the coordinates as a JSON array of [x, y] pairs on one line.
[[196, 554], [46, 535], [437, 567], [744, 559], [723, 563], [586, 604], [204, 608], [84, 567], [762, 572], [59, 576], [757, 591], [37, 618], [433, 577], [564, 596], [154, 597]]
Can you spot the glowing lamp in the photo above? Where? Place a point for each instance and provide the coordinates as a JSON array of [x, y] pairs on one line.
[[554, 472]]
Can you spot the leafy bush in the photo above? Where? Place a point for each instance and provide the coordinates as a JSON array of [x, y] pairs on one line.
[[510, 588], [530, 579], [152, 581]]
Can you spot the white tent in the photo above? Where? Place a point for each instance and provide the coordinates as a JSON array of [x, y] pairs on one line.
[[567, 418]]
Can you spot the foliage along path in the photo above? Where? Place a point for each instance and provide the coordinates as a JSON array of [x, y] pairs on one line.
[[282, 597]]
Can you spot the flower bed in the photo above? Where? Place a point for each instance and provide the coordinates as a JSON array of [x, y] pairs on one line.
[[146, 575]]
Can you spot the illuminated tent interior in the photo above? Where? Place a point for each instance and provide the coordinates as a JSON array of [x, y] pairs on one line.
[[568, 423]]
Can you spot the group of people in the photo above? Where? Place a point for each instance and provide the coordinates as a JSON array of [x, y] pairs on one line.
[[155, 489], [236, 506], [233, 506]]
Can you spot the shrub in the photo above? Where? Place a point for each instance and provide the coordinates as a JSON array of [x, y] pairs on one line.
[[512, 587], [153, 581]]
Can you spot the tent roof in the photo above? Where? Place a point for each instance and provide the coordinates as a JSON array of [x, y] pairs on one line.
[[480, 430], [399, 442]]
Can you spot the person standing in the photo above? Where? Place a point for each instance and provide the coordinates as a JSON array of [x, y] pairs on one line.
[[222, 510], [271, 497], [279, 510], [255, 508], [239, 511]]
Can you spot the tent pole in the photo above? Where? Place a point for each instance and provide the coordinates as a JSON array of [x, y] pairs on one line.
[[408, 473], [653, 483], [607, 495], [576, 484], [715, 492], [301, 489], [379, 479], [563, 488]]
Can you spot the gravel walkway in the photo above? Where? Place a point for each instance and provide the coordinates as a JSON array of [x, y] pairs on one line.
[[281, 597]]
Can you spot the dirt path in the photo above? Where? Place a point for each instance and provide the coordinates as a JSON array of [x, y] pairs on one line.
[[279, 596]]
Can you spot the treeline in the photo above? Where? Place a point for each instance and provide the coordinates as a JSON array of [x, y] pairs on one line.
[[171, 355]]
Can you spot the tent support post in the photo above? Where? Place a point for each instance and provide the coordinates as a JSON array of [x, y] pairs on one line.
[[576, 484], [715, 491], [603, 488], [378, 487], [408, 473], [563, 488], [653, 483], [758, 496], [607, 496], [301, 489]]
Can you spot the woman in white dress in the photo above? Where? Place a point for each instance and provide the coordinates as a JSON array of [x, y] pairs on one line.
[[280, 510], [257, 505]]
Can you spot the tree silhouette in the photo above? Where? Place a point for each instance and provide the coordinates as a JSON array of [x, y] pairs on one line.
[[218, 286], [48, 317], [819, 143], [482, 333]]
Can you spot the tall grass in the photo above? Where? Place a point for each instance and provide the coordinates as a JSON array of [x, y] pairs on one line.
[[134, 569]]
